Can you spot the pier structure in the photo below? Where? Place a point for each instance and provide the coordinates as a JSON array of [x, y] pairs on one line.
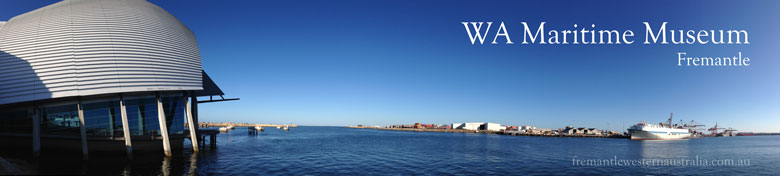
[[221, 124], [252, 131], [201, 137]]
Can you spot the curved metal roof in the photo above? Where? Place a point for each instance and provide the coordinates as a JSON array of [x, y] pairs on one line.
[[91, 47]]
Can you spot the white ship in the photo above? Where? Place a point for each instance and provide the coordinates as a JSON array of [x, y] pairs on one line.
[[645, 131]]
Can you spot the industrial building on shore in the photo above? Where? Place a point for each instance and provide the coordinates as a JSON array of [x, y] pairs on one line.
[[515, 130], [569, 130], [478, 126], [100, 76]]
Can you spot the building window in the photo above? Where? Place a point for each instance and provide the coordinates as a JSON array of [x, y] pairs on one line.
[[135, 116], [16, 121], [143, 113], [143, 120], [60, 120], [174, 114], [103, 119]]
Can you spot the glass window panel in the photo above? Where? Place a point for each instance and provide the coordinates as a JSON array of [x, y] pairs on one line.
[[143, 120], [60, 120], [16, 121], [143, 114], [132, 120], [151, 124], [116, 112], [98, 119], [174, 114]]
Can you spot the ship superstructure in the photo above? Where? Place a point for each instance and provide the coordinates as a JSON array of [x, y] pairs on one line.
[[661, 131]]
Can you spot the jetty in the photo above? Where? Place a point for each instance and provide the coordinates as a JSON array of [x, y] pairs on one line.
[[226, 124], [202, 134]]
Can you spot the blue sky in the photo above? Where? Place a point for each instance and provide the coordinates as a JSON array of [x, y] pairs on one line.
[[400, 62]]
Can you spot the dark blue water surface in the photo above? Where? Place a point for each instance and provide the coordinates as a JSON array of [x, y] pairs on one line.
[[337, 150]]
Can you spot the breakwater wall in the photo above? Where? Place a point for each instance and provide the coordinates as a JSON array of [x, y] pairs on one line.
[[492, 132], [213, 124]]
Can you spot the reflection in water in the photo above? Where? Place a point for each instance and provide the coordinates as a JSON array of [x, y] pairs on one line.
[[346, 151], [664, 149], [126, 170], [166, 166], [193, 164]]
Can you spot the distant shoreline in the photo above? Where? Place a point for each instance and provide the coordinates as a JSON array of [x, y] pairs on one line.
[[489, 132]]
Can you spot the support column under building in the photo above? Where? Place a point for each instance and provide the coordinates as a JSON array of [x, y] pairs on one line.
[[191, 122], [36, 134], [163, 127], [84, 149], [194, 107], [126, 128]]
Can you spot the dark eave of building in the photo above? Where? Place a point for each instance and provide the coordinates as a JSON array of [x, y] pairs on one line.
[[210, 89]]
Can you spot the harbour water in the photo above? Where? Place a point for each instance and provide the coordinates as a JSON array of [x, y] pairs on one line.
[[338, 150]]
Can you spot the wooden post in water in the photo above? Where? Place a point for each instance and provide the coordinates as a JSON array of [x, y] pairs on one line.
[[163, 127], [126, 128], [203, 140], [84, 149], [193, 129], [213, 141]]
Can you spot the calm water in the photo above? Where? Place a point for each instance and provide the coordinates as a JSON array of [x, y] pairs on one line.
[[336, 150]]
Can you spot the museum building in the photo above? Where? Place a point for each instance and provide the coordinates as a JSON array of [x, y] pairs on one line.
[[100, 76]]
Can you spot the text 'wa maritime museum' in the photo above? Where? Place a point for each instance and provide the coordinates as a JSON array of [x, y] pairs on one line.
[[84, 75]]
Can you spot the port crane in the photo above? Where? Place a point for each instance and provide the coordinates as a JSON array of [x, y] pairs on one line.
[[693, 124], [693, 127], [714, 129]]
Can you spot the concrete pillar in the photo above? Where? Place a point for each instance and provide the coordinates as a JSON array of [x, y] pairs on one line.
[[36, 118], [194, 107], [126, 128], [163, 127], [84, 149], [191, 122]]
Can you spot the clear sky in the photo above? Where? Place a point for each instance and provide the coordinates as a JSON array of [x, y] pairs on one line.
[[400, 62]]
